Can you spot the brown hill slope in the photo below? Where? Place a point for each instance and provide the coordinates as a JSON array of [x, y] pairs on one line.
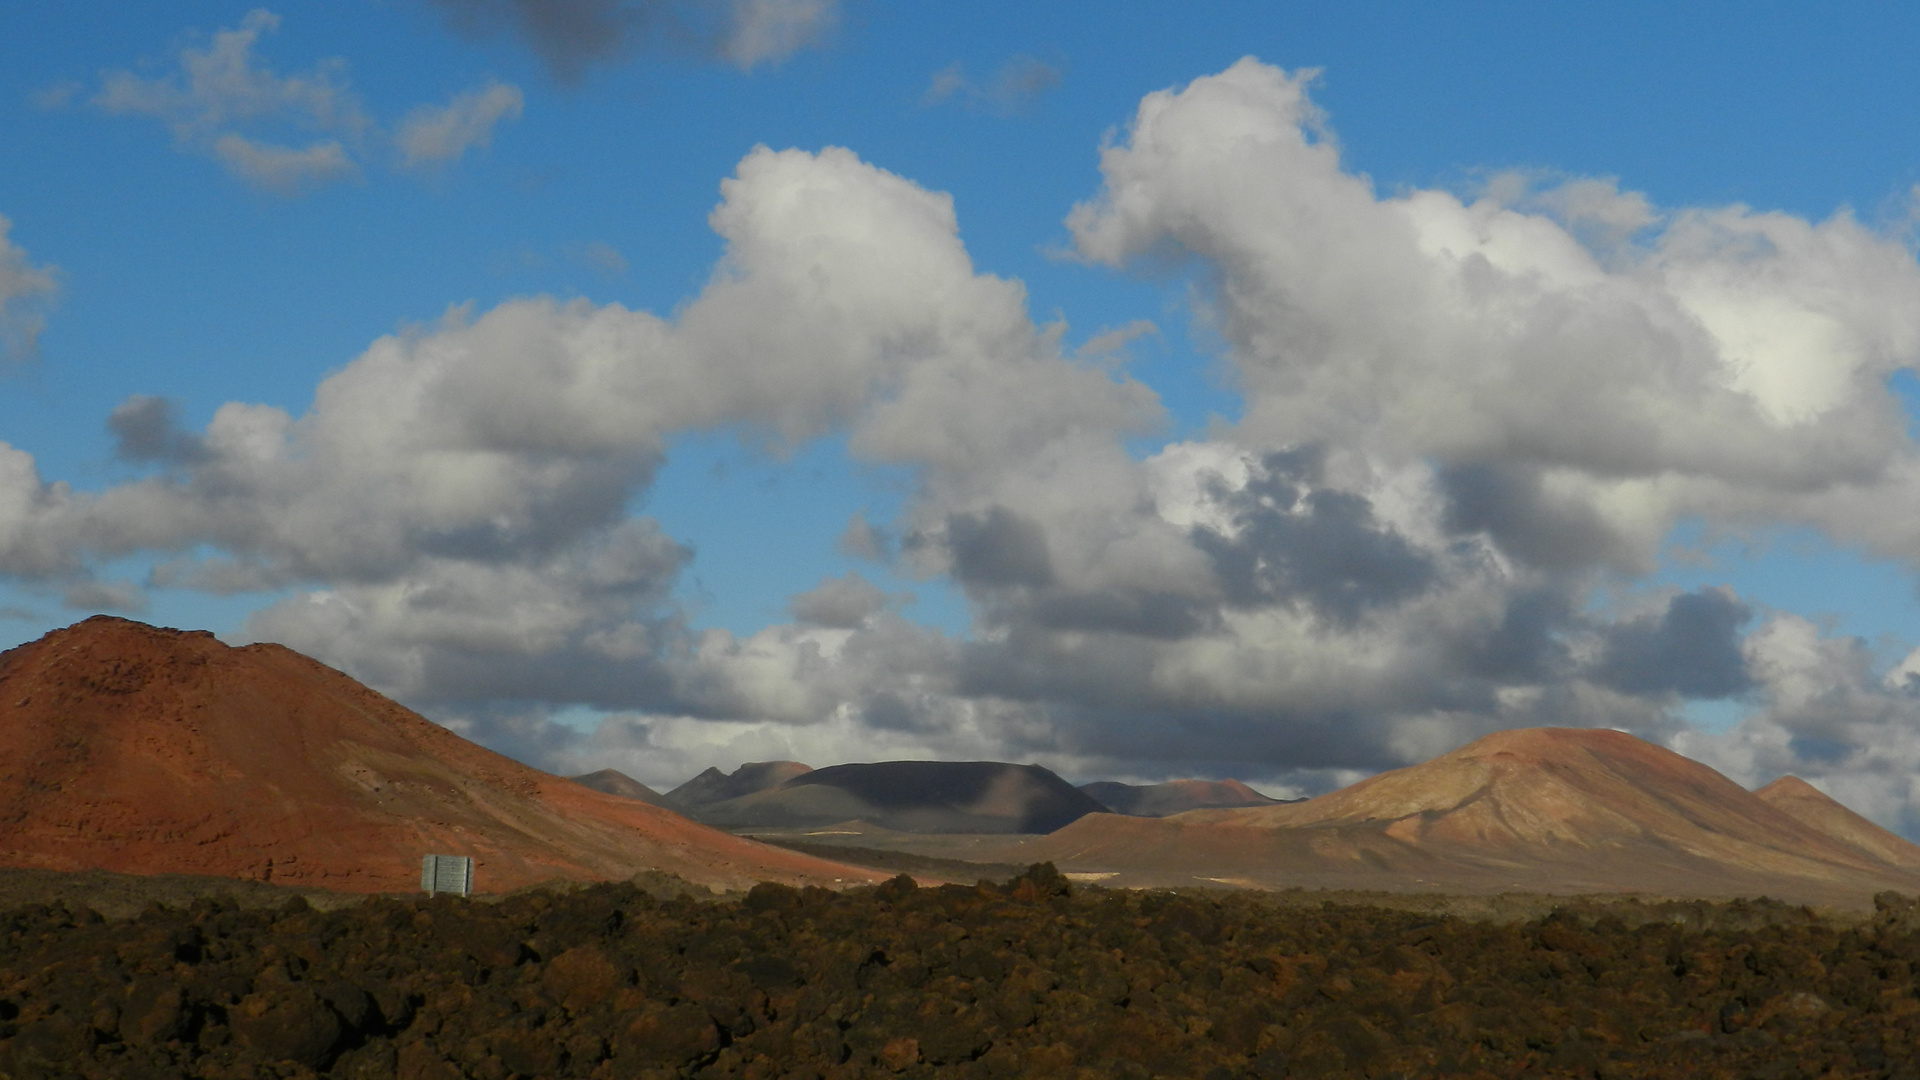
[[1175, 796], [129, 748], [1543, 809], [1810, 806], [615, 782]]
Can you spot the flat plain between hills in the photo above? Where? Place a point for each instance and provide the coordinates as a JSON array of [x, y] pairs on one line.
[[1031, 977]]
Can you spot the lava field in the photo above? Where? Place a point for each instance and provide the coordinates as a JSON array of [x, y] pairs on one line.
[[1031, 978]]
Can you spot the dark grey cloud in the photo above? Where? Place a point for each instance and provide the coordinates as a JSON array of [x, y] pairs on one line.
[[1507, 502], [146, 429], [459, 676], [592, 623], [1821, 749], [524, 733], [1146, 613], [1691, 649], [1295, 542], [999, 549], [1103, 712], [1226, 743], [90, 595], [573, 36], [1530, 642], [1825, 713], [569, 36], [890, 711], [589, 497]]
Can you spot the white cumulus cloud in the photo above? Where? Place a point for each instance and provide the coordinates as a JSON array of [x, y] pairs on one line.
[[1464, 415]]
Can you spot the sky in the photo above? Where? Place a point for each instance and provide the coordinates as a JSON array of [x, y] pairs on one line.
[[1283, 391]]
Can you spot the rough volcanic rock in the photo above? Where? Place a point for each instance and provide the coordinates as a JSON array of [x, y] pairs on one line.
[[914, 797], [1541, 809], [1175, 796], [615, 782], [1031, 980], [129, 748], [714, 786]]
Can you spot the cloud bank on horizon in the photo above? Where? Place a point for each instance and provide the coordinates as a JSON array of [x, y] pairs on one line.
[[1465, 419]]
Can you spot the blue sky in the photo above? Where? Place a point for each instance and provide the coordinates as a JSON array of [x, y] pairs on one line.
[[1069, 560]]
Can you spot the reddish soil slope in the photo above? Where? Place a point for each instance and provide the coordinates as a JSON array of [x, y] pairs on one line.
[[129, 748], [1543, 809]]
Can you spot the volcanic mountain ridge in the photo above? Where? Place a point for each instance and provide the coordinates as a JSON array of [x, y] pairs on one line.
[[615, 782], [904, 796], [925, 796], [130, 748], [714, 786], [1811, 807], [1176, 796]]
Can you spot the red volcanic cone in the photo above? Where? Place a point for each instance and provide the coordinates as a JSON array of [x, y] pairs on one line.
[[129, 748]]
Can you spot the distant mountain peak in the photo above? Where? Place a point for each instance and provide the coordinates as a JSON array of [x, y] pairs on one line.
[[615, 782], [1812, 807], [714, 786], [1789, 787], [1175, 796], [904, 796]]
